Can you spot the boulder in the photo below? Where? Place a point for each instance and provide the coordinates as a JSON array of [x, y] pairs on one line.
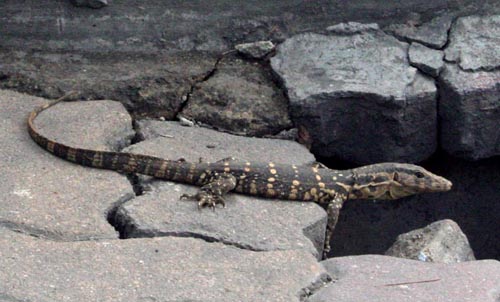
[[474, 43], [441, 241], [240, 98], [357, 97], [427, 60], [470, 112], [433, 34]]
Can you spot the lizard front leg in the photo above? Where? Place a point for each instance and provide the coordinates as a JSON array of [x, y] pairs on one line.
[[213, 192], [333, 211]]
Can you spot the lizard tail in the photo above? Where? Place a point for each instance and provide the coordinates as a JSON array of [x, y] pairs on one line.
[[117, 161]]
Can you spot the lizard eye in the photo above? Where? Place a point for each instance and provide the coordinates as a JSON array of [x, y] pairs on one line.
[[419, 174]]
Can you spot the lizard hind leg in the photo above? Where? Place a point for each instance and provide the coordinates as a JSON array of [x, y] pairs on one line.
[[213, 192]]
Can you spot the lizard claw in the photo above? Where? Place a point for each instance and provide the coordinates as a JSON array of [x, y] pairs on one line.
[[211, 201]]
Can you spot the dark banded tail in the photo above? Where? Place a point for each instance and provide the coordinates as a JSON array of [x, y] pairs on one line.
[[179, 171]]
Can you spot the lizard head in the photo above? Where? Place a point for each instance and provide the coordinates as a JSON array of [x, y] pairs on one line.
[[395, 180]]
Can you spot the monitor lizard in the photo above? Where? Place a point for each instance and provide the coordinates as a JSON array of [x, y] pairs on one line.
[[321, 185]]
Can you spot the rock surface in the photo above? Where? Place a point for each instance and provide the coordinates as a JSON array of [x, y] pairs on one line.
[[151, 26], [146, 84], [191, 143], [239, 98], [49, 197], [386, 279], [350, 28], [357, 93], [281, 224], [470, 112], [475, 43], [433, 34], [255, 50], [441, 241], [427, 60], [150, 269]]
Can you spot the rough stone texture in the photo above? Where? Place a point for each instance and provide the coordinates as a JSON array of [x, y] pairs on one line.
[[90, 3], [239, 98], [433, 34], [357, 93], [469, 108], [441, 241], [281, 224], [386, 279], [47, 196], [250, 223], [366, 227], [153, 85], [475, 43], [255, 50], [350, 28], [172, 141], [427, 60], [188, 26], [159, 269]]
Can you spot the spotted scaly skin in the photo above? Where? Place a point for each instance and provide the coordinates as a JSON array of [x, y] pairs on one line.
[[269, 180]]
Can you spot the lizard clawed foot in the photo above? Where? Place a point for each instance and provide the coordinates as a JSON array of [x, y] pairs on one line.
[[213, 192], [205, 199]]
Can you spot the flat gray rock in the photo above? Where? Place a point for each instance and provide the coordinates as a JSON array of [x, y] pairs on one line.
[[441, 241], [387, 279], [470, 112], [172, 141], [239, 98], [249, 223], [148, 84], [151, 269], [255, 50], [281, 224], [47, 196], [355, 93], [475, 43], [427, 60], [433, 34]]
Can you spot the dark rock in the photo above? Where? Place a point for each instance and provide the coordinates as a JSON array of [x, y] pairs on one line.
[[427, 60], [148, 26], [358, 98], [90, 3], [239, 98], [148, 85], [470, 112], [290, 134], [433, 34], [441, 241], [48, 197], [350, 28], [151, 269], [366, 227], [255, 50], [387, 279], [474, 43]]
